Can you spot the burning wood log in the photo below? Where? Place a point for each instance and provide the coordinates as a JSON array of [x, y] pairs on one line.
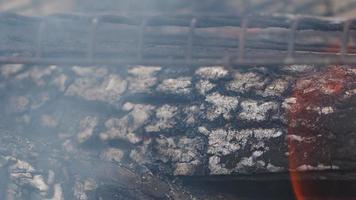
[[191, 122]]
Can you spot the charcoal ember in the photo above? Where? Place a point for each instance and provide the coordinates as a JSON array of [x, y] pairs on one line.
[[127, 131], [315, 119]]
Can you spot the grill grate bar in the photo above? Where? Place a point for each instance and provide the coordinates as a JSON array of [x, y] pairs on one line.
[[141, 39], [207, 21], [242, 38], [292, 37], [92, 38], [41, 31], [178, 63], [197, 46], [345, 38], [192, 26]]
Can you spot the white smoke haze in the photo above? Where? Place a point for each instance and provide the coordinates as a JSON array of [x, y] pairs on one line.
[[115, 132], [316, 7]]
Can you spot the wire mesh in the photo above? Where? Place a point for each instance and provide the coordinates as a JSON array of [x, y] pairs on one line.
[[148, 43]]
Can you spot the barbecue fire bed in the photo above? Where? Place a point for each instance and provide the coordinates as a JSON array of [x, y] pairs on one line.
[[167, 106]]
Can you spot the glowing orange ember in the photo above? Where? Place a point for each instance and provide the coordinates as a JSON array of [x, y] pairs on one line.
[[311, 93]]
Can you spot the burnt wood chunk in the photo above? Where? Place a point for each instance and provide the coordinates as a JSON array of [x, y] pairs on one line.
[[139, 124]]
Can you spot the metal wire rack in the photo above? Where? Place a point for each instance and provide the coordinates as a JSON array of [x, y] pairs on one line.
[[175, 40]]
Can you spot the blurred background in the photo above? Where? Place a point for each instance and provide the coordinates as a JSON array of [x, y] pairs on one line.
[[343, 8]]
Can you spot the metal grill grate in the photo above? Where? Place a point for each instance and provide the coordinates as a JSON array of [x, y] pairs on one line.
[[191, 40]]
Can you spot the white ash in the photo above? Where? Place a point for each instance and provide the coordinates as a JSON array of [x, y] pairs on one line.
[[40, 100], [180, 86], [228, 142], [267, 133], [216, 167], [244, 82], [57, 192], [318, 167], [97, 86], [276, 88], [142, 78], [349, 93], [186, 169], [90, 184], [79, 191], [191, 113], [225, 142], [289, 102], [139, 154], [254, 111], [273, 168], [222, 105], [245, 162], [180, 150], [128, 106], [124, 128], [37, 74], [203, 130], [222, 142], [68, 146], [321, 110], [48, 121], [119, 129], [24, 119], [60, 82], [90, 71], [86, 126], [164, 115], [293, 137], [9, 70], [24, 174], [212, 73], [19, 103], [112, 154], [204, 86], [257, 154]]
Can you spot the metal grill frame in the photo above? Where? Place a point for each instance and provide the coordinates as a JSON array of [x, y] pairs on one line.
[[293, 23]]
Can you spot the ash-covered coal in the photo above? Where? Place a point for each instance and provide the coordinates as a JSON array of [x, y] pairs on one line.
[[90, 132]]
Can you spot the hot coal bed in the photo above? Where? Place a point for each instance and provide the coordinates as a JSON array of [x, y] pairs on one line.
[[176, 107]]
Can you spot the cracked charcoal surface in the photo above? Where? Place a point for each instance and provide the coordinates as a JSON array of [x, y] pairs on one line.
[[141, 124]]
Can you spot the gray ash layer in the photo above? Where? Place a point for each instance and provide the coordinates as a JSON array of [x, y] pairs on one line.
[[144, 123]]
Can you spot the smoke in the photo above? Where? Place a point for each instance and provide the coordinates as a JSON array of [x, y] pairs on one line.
[[45, 7]]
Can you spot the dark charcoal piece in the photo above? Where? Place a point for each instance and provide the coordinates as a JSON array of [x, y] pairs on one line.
[[124, 132]]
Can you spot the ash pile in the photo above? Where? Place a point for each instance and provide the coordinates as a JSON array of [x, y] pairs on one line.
[[101, 132]]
